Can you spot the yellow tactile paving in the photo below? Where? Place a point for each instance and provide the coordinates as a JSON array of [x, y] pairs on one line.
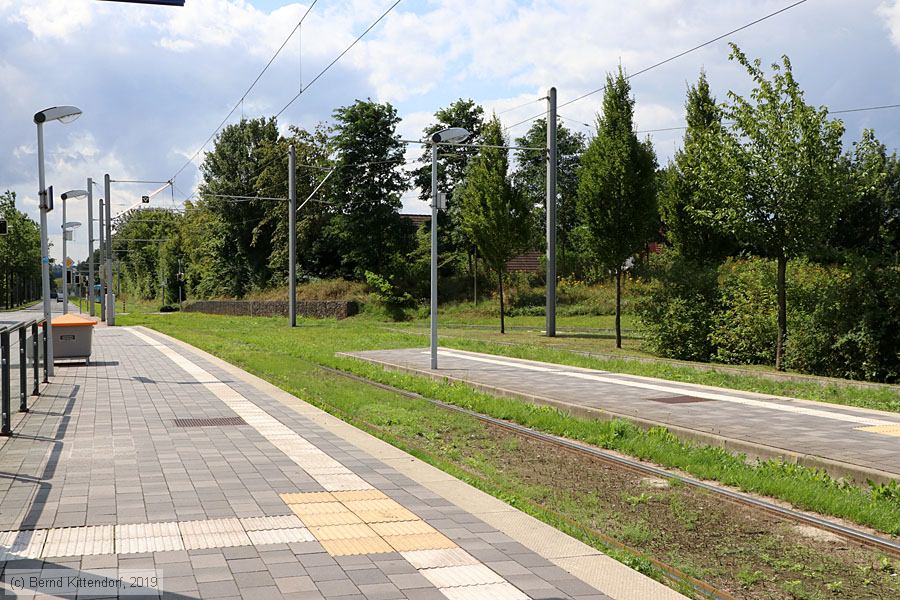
[[419, 541], [318, 508], [893, 430], [402, 528], [378, 511], [336, 518], [359, 495], [307, 497], [369, 545], [343, 532]]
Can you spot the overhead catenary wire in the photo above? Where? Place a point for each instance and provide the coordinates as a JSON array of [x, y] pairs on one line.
[[523, 105], [670, 59], [338, 57], [830, 112], [240, 101]]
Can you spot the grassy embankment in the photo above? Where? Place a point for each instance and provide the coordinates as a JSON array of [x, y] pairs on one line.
[[678, 525]]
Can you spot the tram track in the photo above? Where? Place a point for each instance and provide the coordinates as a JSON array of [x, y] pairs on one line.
[[857, 536]]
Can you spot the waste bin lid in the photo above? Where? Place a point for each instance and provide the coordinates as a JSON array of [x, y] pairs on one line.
[[71, 320]]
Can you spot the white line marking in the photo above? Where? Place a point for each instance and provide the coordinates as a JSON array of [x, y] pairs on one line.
[[812, 412]]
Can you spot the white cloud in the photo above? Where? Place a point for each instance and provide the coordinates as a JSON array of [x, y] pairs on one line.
[[59, 20], [890, 12], [153, 82]]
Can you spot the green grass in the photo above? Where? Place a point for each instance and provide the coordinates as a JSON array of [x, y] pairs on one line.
[[265, 347]]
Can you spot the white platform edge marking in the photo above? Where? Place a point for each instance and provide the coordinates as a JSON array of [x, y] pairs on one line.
[[813, 412]]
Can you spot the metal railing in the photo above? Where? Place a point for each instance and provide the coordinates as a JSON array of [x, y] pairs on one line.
[[26, 343]]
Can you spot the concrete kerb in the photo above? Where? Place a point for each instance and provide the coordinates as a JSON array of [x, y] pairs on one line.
[[752, 450], [588, 564]]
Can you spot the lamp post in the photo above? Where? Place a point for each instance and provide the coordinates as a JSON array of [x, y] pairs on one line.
[[454, 135], [66, 228], [63, 114]]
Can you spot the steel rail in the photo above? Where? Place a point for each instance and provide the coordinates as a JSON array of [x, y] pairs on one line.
[[674, 574], [860, 537]]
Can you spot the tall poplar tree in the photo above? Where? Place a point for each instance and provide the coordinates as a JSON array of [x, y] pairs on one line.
[[616, 191], [494, 215], [682, 199]]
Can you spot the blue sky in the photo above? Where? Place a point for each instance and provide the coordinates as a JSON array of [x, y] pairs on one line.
[[154, 82]]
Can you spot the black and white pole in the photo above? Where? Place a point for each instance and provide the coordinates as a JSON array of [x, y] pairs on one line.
[[551, 213], [292, 235], [110, 296]]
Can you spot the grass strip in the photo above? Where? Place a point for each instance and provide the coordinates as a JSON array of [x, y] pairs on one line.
[[266, 348]]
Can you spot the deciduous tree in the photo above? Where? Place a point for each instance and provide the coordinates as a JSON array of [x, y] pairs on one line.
[[616, 191], [776, 169], [494, 215]]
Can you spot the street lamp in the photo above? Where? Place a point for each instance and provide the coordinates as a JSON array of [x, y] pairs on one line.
[[66, 228], [453, 135], [63, 114]]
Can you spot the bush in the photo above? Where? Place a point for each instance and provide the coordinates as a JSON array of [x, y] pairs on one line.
[[847, 323], [167, 308], [678, 308], [389, 296], [746, 326]]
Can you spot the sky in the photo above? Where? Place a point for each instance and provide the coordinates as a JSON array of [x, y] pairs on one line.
[[154, 82]]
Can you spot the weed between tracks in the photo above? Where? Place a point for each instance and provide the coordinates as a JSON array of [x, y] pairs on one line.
[[749, 554]]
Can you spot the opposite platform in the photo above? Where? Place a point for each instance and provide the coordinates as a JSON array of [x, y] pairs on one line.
[[846, 441], [159, 460]]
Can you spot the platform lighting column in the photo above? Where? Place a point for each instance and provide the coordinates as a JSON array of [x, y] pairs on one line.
[[63, 114]]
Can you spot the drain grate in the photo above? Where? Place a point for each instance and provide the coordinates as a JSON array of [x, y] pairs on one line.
[[211, 422], [679, 400]]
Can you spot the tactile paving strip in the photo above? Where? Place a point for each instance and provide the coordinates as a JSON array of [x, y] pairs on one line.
[[213, 533], [280, 536], [893, 430], [148, 537], [134, 538], [490, 591], [444, 577], [22, 544], [448, 557], [329, 473], [79, 541]]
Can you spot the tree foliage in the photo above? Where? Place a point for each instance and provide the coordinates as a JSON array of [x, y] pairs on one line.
[[775, 170], [20, 255], [682, 198], [616, 190], [233, 168], [366, 230], [531, 178], [495, 216]]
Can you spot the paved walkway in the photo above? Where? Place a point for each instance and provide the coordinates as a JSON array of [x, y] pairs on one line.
[[863, 443], [159, 467]]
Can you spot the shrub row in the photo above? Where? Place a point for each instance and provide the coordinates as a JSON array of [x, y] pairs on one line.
[[843, 320]]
